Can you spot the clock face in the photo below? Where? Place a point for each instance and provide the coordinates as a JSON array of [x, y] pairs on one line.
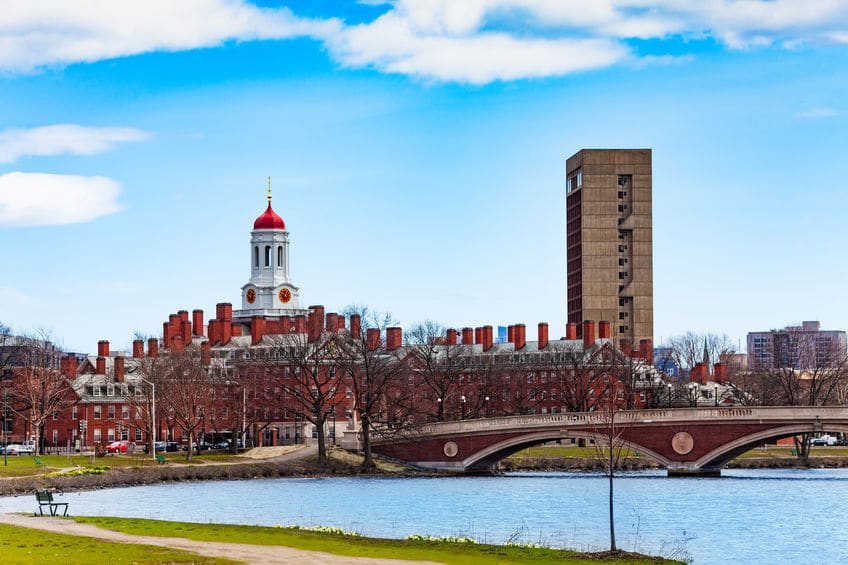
[[285, 295], [251, 296]]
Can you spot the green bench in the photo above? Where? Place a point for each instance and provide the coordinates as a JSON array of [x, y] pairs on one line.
[[39, 462], [45, 498], [160, 458]]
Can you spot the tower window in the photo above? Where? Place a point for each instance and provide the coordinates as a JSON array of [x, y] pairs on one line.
[[267, 255], [256, 256], [279, 256]]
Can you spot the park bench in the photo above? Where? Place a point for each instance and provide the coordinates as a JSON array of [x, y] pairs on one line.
[[160, 458], [45, 498], [39, 462]]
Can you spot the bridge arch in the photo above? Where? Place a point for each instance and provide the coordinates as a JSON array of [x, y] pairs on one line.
[[489, 456], [716, 458]]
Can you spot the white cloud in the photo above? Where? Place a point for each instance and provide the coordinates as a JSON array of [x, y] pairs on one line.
[[40, 199], [472, 41], [815, 113], [39, 33], [63, 139]]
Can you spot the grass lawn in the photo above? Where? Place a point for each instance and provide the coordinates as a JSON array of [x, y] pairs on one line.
[[24, 545], [340, 544], [24, 465]]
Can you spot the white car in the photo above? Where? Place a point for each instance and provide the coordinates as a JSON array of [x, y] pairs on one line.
[[823, 440], [20, 449]]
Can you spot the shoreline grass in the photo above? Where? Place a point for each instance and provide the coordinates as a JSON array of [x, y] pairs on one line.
[[358, 546]]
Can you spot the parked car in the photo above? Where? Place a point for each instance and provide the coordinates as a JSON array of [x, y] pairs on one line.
[[27, 448], [842, 441], [117, 447], [823, 440], [202, 446], [167, 446]]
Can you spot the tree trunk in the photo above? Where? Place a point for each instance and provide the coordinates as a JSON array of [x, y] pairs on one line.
[[368, 462], [190, 450], [611, 478], [322, 443]]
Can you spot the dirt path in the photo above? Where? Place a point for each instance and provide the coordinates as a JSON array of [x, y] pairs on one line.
[[258, 554]]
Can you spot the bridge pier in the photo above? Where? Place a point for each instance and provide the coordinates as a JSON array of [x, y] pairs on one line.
[[686, 472]]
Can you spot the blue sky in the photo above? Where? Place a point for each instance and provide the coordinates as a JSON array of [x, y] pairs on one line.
[[417, 153]]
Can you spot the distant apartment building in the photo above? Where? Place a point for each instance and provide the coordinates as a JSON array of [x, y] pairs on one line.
[[609, 241], [797, 347]]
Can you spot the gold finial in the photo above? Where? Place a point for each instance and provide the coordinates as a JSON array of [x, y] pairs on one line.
[[269, 191]]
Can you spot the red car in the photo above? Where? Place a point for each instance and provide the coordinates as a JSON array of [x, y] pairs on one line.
[[117, 447]]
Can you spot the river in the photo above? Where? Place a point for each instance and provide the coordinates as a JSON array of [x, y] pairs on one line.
[[746, 516]]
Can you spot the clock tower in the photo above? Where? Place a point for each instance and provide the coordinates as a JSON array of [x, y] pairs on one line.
[[269, 292]]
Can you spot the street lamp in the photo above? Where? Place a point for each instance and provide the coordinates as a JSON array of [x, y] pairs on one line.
[[486, 407], [333, 416], [715, 394], [440, 415], [669, 394], [152, 415], [462, 407]]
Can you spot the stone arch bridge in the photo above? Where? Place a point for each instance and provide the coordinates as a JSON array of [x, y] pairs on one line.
[[697, 441]]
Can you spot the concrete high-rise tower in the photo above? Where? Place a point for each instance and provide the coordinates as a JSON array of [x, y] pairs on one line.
[[609, 241]]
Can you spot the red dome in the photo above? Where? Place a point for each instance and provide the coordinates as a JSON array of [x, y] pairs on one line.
[[269, 220]]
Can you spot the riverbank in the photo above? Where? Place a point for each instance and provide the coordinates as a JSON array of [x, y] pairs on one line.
[[255, 544]]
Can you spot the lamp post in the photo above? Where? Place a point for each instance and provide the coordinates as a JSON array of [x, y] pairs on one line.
[[715, 394], [440, 415], [486, 407], [462, 407], [152, 416], [693, 397], [670, 387]]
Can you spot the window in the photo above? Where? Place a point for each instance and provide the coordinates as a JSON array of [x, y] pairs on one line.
[[110, 390], [138, 434], [55, 437], [96, 391], [279, 256], [111, 411], [110, 434], [125, 434], [97, 436], [125, 412], [267, 255], [55, 416], [74, 415], [97, 409], [256, 256]]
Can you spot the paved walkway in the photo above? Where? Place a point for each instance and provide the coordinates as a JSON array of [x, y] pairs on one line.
[[259, 554]]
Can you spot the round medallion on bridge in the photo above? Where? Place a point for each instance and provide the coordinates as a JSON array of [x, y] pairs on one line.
[[682, 443], [451, 449]]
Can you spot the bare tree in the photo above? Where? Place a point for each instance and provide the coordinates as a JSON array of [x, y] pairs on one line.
[[438, 368], [691, 348], [182, 387], [38, 389], [376, 376], [303, 377]]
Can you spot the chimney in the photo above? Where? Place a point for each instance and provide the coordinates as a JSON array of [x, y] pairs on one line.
[[588, 334], [197, 322], [355, 326], [646, 350], [300, 324], [183, 314], [119, 369], [177, 343], [103, 348], [225, 329], [332, 322], [603, 330], [257, 329], [520, 334], [570, 330], [235, 329], [315, 322], [720, 373], [487, 337], [153, 347], [626, 347], [478, 335], [510, 334], [68, 366], [543, 335], [224, 311], [467, 336], [372, 339], [185, 329], [394, 338], [450, 337], [213, 331], [206, 353], [166, 334], [100, 367], [138, 348], [698, 374], [341, 325]]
